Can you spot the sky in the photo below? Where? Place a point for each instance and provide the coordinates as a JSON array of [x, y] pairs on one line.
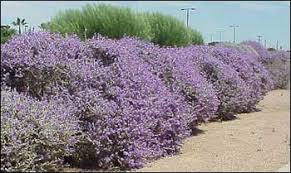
[[270, 19]]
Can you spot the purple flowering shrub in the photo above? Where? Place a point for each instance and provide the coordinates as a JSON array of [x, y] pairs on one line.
[[35, 136], [279, 68], [133, 117], [179, 75], [192, 85], [117, 103], [243, 48], [233, 93], [38, 63], [263, 54], [249, 70], [276, 62], [127, 114]]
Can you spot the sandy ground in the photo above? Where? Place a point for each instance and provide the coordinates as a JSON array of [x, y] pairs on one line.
[[285, 168], [258, 141]]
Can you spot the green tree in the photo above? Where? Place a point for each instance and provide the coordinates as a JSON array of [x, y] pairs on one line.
[[19, 23], [7, 33], [44, 26]]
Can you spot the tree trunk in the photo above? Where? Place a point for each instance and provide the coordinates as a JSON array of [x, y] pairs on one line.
[[19, 29]]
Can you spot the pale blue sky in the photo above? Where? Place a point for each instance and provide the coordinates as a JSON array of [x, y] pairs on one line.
[[271, 19]]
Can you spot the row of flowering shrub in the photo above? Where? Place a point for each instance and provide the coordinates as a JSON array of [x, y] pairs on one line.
[[119, 103]]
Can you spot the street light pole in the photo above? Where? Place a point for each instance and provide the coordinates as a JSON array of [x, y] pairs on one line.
[[211, 38], [188, 11], [220, 35], [233, 26], [259, 38]]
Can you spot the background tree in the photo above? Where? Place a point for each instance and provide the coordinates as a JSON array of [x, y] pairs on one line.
[[7, 33], [18, 23], [44, 26]]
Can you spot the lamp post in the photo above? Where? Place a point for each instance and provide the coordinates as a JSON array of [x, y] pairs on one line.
[[211, 38], [220, 35], [188, 11], [259, 38], [233, 26]]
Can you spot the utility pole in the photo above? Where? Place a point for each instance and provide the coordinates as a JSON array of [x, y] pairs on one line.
[[188, 11], [259, 38], [220, 33], [233, 26]]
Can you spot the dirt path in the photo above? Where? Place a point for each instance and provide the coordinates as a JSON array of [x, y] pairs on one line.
[[257, 141]]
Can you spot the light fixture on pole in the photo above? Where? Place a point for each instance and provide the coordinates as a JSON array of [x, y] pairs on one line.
[[188, 10]]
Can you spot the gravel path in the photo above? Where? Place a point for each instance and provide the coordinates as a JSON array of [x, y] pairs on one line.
[[257, 141]]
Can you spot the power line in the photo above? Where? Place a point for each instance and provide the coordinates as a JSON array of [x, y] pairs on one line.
[[188, 10]]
